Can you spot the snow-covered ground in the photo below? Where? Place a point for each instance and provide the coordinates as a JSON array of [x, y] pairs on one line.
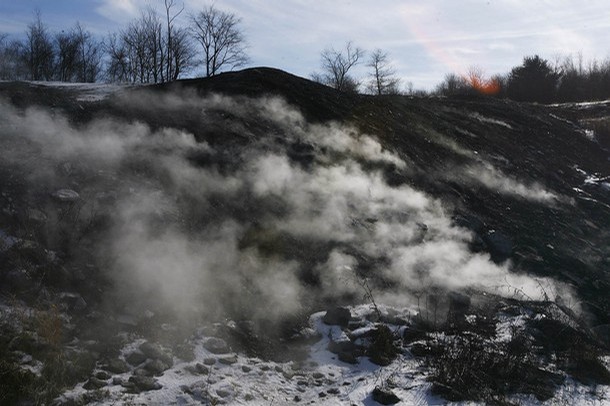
[[321, 379], [86, 92]]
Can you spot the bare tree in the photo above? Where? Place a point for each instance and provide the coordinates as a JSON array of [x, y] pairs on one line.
[[336, 66], [67, 51], [90, 55], [12, 60], [384, 80], [222, 41], [118, 68], [39, 50]]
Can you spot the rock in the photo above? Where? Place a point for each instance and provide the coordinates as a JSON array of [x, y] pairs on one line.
[[347, 357], [156, 367], [209, 361], [155, 351], [116, 366], [246, 368], [384, 396], [224, 392], [337, 347], [228, 360], [216, 345], [197, 369], [500, 246], [117, 380], [333, 391], [145, 383], [94, 383], [339, 316], [73, 301], [317, 375], [37, 216], [103, 375], [135, 358], [66, 195]]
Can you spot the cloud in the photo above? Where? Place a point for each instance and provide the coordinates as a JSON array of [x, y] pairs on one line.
[[119, 11]]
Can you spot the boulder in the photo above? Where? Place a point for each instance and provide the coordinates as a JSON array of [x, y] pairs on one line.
[[94, 383], [384, 396], [116, 366], [216, 345], [135, 358], [145, 383], [156, 352], [339, 316], [156, 366]]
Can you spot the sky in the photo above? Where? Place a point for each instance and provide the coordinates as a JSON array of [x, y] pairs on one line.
[[425, 39]]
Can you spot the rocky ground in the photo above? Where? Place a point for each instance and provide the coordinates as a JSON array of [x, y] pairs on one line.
[[256, 238]]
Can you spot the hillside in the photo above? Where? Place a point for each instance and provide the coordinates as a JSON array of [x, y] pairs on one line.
[[177, 243]]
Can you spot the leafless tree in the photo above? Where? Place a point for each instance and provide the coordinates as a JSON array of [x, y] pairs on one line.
[[150, 49], [67, 51], [384, 80], [222, 40], [39, 50], [336, 66], [118, 68], [12, 60], [90, 55]]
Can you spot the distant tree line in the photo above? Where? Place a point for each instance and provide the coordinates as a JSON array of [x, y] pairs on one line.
[[337, 67], [537, 80], [152, 48]]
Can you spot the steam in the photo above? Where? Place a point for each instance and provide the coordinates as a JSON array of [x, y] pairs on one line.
[[252, 236], [492, 178]]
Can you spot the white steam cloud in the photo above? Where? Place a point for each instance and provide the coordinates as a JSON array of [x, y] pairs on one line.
[[249, 237], [492, 178]]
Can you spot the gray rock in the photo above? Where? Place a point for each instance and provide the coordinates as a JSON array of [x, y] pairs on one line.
[[209, 361], [228, 360], [155, 351], [73, 301], [103, 375], [197, 369], [216, 345], [37, 216], [337, 316], [337, 347], [385, 396], [135, 358], [116, 366], [94, 383], [347, 357], [156, 367], [145, 383], [224, 392]]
